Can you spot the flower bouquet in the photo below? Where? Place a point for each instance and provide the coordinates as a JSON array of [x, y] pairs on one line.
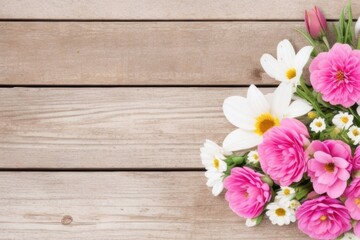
[[294, 155]]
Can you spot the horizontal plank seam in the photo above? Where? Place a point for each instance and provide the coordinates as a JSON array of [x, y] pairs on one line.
[[157, 20], [102, 169], [140, 86]]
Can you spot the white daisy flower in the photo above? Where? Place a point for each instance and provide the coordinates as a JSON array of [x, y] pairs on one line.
[[354, 134], [251, 222], [318, 125], [286, 192], [280, 213], [212, 157], [256, 114], [253, 157], [288, 67], [343, 120], [294, 204], [349, 236]]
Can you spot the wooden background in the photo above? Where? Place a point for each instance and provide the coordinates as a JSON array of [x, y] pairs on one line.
[[104, 105]]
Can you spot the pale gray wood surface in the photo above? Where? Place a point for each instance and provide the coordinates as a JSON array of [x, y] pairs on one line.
[[121, 205]]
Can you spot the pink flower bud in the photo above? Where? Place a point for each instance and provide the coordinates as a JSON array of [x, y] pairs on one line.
[[315, 23]]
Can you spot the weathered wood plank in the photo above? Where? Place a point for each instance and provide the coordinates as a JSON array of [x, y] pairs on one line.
[[139, 53], [110, 127], [121, 205], [168, 9]]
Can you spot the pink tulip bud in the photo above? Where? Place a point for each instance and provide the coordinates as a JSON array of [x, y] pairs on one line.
[[315, 23]]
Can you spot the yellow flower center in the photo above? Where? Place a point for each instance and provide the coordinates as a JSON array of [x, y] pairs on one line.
[[216, 164], [256, 157], [264, 122], [280, 212], [318, 124], [356, 132], [323, 218], [287, 192], [311, 114], [357, 201], [291, 73], [329, 167], [344, 119], [340, 75]]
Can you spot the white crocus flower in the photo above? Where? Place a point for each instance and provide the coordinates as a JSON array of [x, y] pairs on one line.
[[288, 67], [318, 125], [212, 157], [343, 120], [256, 114]]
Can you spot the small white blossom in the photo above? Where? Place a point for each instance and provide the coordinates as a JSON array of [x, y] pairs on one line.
[[253, 157], [286, 192], [349, 236], [343, 120], [354, 134], [294, 204], [318, 125], [251, 222], [212, 157], [280, 213]]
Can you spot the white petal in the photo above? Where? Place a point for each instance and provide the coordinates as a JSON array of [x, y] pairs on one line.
[[270, 65], [240, 140], [236, 110], [357, 27], [285, 53], [282, 99], [298, 108], [302, 57], [217, 188], [358, 110], [257, 101]]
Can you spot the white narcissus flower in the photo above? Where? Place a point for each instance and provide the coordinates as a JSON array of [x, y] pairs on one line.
[[354, 134], [212, 157], [288, 67], [253, 157], [256, 114], [280, 213], [343, 120], [318, 125], [286, 192], [357, 27]]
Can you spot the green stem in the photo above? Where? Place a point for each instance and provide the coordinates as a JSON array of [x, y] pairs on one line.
[[325, 40]]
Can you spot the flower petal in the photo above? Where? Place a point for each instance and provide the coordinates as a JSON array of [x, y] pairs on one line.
[[240, 140], [282, 99], [257, 101], [236, 110], [285, 53], [217, 188], [298, 108], [302, 57], [270, 65]]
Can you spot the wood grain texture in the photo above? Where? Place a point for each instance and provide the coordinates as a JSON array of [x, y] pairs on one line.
[[110, 127], [121, 205], [139, 53], [168, 9]]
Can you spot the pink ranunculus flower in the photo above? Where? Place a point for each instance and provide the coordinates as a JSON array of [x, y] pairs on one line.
[[282, 154], [356, 160], [352, 194], [246, 193], [336, 75], [323, 218], [329, 167]]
